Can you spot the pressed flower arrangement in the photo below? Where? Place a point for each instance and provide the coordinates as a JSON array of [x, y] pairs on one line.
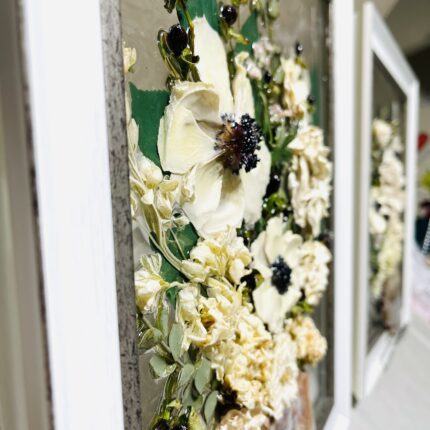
[[230, 186], [387, 205]]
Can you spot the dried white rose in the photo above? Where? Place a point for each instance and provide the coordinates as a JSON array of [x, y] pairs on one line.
[[312, 271], [296, 88], [311, 345], [195, 133], [223, 255], [148, 283], [310, 179], [282, 385], [244, 419]]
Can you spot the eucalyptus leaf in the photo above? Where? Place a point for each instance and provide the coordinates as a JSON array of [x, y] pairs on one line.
[[186, 374], [176, 337], [162, 320], [198, 403], [187, 396], [210, 406], [171, 295], [160, 368], [250, 31], [147, 108], [203, 375], [150, 338]]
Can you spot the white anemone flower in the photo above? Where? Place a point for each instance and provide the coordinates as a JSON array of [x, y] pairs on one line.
[[277, 254], [208, 134]]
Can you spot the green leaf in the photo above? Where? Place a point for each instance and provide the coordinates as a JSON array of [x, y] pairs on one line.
[[187, 373], [147, 109], [203, 375], [175, 340], [160, 368], [168, 272], [162, 321], [199, 8], [250, 31], [187, 239], [171, 295], [210, 405], [150, 338]]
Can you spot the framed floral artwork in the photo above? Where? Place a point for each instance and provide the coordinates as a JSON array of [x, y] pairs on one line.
[[192, 223], [231, 147], [385, 181]]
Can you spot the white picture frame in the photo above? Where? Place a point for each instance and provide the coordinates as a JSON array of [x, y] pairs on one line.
[[91, 369], [375, 39]]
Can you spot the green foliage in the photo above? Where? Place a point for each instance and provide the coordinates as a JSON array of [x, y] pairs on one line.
[[203, 375], [147, 109], [281, 154], [159, 367], [210, 405], [176, 337], [250, 31], [162, 318], [150, 338], [199, 8], [186, 375]]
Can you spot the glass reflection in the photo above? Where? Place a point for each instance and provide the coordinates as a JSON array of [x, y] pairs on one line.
[[387, 200]]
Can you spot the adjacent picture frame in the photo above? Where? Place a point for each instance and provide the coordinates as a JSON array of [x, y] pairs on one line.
[[378, 49]]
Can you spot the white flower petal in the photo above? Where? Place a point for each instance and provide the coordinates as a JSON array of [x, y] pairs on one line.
[[242, 89], [183, 140], [275, 246], [207, 193], [213, 66], [293, 243], [269, 306], [260, 261], [230, 211], [255, 184]]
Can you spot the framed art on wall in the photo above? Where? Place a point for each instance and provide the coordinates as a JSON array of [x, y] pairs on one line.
[[388, 116]]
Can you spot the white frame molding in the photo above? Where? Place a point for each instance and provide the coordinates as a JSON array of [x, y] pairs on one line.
[[342, 18], [66, 77], [376, 39]]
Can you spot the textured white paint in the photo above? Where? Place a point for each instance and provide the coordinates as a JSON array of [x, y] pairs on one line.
[[65, 67]]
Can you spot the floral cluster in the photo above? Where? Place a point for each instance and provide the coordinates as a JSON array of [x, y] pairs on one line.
[[228, 202], [387, 200]]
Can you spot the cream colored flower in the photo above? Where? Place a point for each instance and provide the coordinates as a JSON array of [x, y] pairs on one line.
[[310, 179], [197, 131], [244, 419], [282, 386], [224, 255], [296, 88], [311, 345], [148, 283], [312, 271], [276, 254], [383, 132], [129, 57]]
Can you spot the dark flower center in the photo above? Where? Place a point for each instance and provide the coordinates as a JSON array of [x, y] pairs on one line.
[[239, 140], [281, 275]]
